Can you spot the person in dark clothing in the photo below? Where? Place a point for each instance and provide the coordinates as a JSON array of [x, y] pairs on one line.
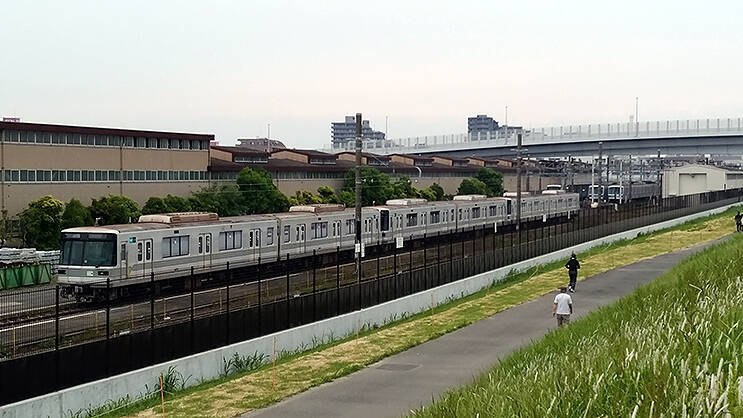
[[738, 221], [572, 265]]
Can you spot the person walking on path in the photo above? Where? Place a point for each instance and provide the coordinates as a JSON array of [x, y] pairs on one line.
[[562, 307], [572, 265], [738, 220]]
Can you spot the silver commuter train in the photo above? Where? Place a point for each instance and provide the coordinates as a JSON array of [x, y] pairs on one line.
[[122, 257]]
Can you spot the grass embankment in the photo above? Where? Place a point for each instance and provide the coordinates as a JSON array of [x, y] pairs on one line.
[[672, 348], [245, 391]]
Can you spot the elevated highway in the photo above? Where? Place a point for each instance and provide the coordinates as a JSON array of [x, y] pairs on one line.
[[718, 137]]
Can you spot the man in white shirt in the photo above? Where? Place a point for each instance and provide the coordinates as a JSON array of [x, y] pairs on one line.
[[562, 307]]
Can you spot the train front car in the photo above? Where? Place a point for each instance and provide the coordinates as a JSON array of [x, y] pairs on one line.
[[87, 261]]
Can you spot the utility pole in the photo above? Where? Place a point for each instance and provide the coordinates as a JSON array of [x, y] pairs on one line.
[[600, 171], [571, 176], [518, 180], [659, 176], [526, 167], [358, 198], [637, 121], [629, 197]]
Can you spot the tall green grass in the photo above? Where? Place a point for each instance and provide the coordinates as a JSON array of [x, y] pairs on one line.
[[672, 348]]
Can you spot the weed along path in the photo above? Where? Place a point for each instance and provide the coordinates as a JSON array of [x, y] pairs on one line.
[[405, 381]]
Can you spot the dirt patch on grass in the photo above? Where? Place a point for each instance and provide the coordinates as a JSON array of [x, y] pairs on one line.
[[266, 386]]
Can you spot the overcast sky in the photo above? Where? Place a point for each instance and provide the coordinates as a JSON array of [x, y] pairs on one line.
[[230, 68]]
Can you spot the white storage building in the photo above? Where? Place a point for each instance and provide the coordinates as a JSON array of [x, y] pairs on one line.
[[698, 178]]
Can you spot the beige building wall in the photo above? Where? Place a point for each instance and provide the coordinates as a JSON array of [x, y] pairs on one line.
[[17, 196], [16, 156]]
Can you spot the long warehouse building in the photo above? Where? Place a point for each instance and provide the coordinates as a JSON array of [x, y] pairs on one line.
[[86, 162]]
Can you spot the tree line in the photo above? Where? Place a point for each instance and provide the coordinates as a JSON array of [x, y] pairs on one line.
[[253, 193]]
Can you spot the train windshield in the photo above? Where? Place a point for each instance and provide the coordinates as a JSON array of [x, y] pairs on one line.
[[88, 249]]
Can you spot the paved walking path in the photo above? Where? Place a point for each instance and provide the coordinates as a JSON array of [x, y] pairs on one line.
[[408, 380]]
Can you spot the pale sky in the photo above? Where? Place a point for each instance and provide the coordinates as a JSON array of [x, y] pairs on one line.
[[231, 67]]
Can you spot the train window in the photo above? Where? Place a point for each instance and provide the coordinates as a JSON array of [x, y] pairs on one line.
[[139, 251], [208, 240], [148, 250], [319, 229], [123, 252], [250, 242], [493, 210], [297, 235], [435, 217], [412, 219], [287, 234], [475, 213], [201, 244], [460, 214], [350, 227], [269, 235], [175, 246], [230, 240]]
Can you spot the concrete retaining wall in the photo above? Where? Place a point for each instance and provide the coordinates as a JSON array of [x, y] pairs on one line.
[[208, 365]]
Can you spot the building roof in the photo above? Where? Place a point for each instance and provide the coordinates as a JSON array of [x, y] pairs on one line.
[[241, 151], [27, 126], [307, 152], [413, 156], [462, 160]]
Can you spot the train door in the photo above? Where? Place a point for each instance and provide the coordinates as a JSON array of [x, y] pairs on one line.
[[301, 238], [255, 242], [124, 265], [337, 233], [205, 250], [384, 222], [144, 257]]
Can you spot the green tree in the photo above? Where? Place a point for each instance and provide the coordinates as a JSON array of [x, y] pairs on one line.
[[493, 181], [403, 187], [437, 191], [41, 221], [347, 197], [376, 187], [472, 186], [113, 209], [75, 214], [155, 205], [177, 203], [327, 195], [223, 200], [304, 198], [427, 194], [258, 193]]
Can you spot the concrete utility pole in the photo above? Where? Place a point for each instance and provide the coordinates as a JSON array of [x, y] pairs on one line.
[[518, 181], [659, 177], [600, 171], [629, 197], [526, 167], [358, 197]]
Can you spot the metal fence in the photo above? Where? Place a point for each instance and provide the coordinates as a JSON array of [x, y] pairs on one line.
[[60, 344]]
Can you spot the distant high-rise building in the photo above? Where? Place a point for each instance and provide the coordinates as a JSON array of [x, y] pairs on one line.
[[344, 132], [481, 124]]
